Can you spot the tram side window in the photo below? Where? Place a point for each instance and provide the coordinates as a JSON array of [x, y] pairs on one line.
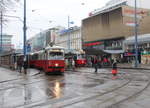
[[35, 57]]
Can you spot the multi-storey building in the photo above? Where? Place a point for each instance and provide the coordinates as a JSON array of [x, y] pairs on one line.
[[43, 39], [106, 29], [70, 39]]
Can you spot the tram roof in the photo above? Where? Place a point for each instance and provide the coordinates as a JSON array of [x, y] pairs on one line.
[[37, 52], [54, 47], [145, 38]]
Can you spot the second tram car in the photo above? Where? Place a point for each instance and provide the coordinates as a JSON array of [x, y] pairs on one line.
[[51, 59], [78, 56], [80, 60]]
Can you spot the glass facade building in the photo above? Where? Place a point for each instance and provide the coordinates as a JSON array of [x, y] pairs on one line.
[[43, 39]]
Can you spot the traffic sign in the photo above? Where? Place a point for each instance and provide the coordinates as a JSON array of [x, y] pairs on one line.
[[28, 48]]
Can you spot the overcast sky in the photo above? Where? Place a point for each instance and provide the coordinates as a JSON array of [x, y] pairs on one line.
[[49, 13]]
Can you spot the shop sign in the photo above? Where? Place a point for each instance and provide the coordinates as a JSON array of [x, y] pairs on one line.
[[92, 44], [131, 24], [129, 54], [132, 11]]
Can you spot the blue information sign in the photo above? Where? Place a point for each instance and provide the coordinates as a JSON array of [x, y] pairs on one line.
[[28, 48]]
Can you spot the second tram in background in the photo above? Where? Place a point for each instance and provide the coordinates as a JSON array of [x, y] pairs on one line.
[[78, 56], [51, 59]]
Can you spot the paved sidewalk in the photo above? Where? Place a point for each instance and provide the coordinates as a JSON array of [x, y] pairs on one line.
[[8, 74], [129, 65]]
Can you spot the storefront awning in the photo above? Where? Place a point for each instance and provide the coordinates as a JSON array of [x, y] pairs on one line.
[[145, 38], [114, 51]]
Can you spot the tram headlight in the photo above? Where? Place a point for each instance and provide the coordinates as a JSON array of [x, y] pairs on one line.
[[56, 64], [82, 61]]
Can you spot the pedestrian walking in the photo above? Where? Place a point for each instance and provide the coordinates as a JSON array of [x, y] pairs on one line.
[[114, 69], [20, 64], [25, 66], [96, 64], [73, 65]]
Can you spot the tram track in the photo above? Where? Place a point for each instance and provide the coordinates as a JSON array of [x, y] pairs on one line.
[[5, 81], [24, 80], [40, 81], [103, 95], [21, 83], [73, 101], [115, 105]]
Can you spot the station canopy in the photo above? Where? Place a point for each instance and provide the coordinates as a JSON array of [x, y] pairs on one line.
[[114, 51], [145, 38]]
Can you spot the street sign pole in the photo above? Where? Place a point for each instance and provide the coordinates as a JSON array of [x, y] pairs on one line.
[[136, 40], [24, 31], [24, 35]]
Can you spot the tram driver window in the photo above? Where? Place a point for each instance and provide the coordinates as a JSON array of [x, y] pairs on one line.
[[56, 55]]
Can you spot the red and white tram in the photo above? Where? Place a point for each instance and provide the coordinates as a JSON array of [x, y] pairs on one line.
[[51, 59], [80, 59], [78, 56]]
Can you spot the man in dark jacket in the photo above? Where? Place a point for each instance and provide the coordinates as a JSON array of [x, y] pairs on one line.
[[25, 66], [20, 63], [96, 64]]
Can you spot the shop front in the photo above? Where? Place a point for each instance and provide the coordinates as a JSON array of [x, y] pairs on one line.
[[143, 48]]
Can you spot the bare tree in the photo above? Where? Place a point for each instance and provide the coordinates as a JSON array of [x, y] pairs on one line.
[[6, 5]]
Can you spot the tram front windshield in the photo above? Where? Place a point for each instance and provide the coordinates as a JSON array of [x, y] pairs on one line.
[[81, 56], [56, 56]]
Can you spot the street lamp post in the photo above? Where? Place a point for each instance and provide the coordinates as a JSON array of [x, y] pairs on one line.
[[136, 40], [24, 35], [24, 30]]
